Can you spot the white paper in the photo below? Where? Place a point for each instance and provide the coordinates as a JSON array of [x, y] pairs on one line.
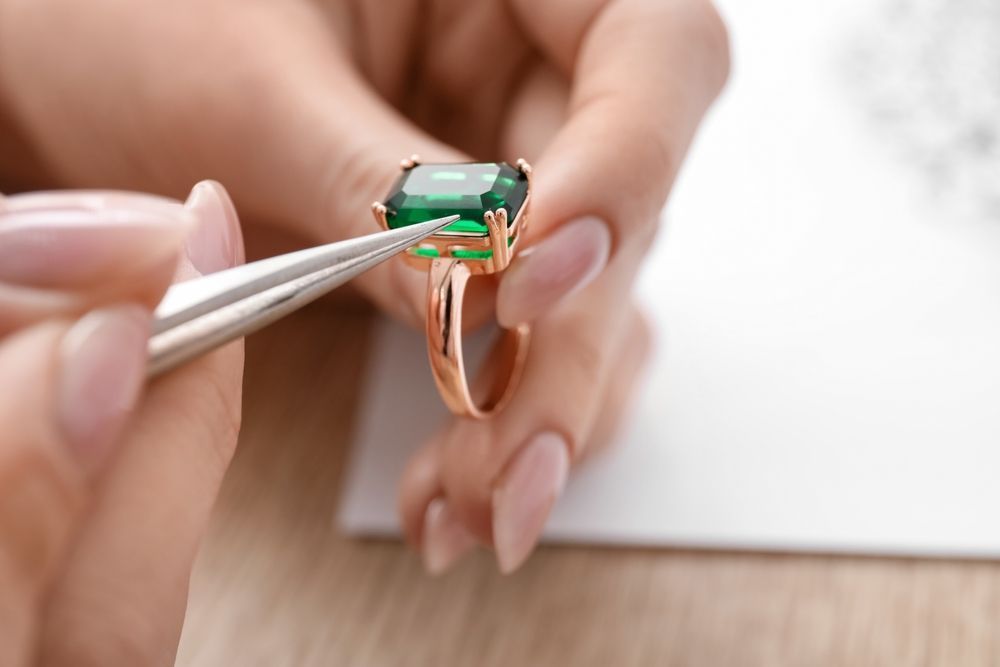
[[827, 367]]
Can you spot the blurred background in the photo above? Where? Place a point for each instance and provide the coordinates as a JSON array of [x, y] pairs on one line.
[[808, 474], [824, 300]]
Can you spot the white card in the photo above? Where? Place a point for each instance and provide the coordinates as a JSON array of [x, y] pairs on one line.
[[827, 367]]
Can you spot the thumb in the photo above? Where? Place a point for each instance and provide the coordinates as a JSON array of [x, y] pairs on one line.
[[65, 393]]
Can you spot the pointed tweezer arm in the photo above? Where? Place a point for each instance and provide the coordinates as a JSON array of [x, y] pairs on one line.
[[201, 314]]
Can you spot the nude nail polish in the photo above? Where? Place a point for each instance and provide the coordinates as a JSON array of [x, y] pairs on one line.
[[215, 242], [524, 498], [445, 539]]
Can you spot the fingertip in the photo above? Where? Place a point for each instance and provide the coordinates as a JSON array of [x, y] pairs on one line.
[[445, 539], [215, 241], [524, 496], [418, 487]]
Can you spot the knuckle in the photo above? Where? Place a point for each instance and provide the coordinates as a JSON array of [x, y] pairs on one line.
[[653, 147], [40, 495], [216, 415], [660, 151], [99, 629], [638, 209], [353, 180]]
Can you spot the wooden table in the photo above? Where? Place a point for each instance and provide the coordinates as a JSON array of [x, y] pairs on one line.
[[276, 585]]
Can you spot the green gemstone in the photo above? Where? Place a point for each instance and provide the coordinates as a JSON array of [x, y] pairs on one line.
[[457, 254], [476, 254], [472, 254], [430, 191], [425, 252]]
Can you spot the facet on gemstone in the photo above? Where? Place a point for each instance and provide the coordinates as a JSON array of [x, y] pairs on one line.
[[469, 190]]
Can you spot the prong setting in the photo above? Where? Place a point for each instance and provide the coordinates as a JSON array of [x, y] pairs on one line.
[[380, 212], [499, 231], [410, 162]]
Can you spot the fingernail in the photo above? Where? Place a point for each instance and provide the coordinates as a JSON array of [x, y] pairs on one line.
[[445, 539], [215, 243], [564, 263], [524, 498], [74, 238], [102, 366]]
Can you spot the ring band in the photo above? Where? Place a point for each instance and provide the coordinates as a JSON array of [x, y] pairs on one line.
[[445, 294], [492, 201]]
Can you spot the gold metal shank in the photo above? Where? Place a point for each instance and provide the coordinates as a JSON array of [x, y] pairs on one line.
[[446, 283]]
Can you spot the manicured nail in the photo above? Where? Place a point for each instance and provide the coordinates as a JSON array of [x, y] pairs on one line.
[[564, 263], [445, 539], [60, 239], [215, 243], [523, 499], [102, 366]]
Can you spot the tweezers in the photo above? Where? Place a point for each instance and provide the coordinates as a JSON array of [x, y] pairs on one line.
[[199, 315]]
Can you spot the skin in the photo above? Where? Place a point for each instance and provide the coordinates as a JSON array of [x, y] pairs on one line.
[[303, 108], [97, 537]]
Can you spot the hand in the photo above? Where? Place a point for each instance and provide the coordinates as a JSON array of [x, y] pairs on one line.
[[105, 488], [305, 107]]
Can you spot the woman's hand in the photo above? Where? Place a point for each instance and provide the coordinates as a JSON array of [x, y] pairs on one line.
[[304, 108], [105, 488]]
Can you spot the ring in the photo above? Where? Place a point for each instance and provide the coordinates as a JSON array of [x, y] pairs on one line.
[[492, 200]]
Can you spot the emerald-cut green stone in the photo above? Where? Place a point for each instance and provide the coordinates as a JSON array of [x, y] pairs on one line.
[[430, 191]]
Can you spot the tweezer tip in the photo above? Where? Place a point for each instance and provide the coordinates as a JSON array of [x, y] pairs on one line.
[[438, 223], [422, 230]]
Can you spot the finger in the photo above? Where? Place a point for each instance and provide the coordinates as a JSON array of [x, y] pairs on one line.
[[643, 74], [62, 254], [420, 484], [65, 393], [632, 355], [432, 525], [121, 598]]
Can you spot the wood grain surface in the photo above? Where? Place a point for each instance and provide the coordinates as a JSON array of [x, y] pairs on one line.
[[276, 585]]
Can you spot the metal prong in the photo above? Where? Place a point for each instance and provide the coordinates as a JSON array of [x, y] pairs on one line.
[[499, 230], [379, 211], [410, 162], [524, 168]]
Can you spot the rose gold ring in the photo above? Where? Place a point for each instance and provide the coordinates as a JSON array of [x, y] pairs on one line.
[[492, 200]]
